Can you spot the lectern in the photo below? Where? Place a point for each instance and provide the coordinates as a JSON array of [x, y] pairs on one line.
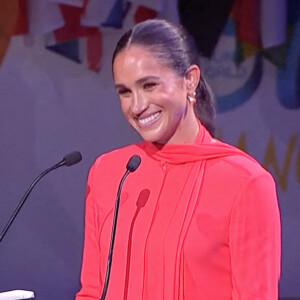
[[17, 295]]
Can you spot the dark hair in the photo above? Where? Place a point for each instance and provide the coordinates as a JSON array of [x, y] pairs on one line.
[[176, 48]]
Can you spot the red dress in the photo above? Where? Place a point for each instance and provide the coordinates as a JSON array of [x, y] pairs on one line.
[[196, 221]]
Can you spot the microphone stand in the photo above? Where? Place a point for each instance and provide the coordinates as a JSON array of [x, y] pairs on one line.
[[131, 166], [112, 240], [68, 160]]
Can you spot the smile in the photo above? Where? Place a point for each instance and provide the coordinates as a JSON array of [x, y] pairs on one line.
[[149, 120]]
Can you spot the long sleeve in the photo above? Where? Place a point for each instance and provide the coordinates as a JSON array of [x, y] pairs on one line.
[[90, 272], [255, 241]]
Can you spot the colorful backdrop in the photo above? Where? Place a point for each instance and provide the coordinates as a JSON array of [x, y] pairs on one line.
[[57, 95]]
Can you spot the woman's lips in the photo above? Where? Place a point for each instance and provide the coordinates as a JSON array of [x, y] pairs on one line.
[[146, 121]]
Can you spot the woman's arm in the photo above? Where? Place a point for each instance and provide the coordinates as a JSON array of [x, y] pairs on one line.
[[255, 241], [90, 271]]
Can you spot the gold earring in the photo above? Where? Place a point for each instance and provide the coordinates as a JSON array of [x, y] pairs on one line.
[[192, 97]]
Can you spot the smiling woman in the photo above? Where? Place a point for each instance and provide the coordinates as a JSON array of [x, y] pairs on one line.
[[208, 226], [153, 97], [169, 48]]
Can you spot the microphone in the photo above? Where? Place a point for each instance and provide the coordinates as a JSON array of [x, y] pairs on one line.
[[72, 159], [133, 163], [69, 160]]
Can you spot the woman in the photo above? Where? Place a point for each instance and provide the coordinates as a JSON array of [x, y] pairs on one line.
[[198, 219]]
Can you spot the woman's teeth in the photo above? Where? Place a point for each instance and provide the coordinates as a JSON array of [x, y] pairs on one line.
[[149, 119]]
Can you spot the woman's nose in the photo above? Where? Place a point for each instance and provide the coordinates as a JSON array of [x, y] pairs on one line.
[[139, 104]]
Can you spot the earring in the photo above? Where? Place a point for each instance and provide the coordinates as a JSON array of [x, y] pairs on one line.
[[192, 97]]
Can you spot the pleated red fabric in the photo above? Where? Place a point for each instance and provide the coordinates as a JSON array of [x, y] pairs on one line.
[[196, 221]]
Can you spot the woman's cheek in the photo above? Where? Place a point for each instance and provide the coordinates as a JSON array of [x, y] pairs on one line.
[[125, 107]]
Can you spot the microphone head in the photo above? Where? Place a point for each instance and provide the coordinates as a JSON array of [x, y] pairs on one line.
[[72, 158], [133, 163]]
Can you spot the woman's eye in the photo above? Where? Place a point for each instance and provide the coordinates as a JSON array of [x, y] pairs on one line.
[[123, 92], [149, 85]]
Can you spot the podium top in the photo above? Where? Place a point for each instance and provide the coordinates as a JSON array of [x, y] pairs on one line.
[[16, 295]]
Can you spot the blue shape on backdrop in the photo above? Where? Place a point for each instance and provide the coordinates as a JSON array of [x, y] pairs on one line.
[[244, 93], [117, 14], [68, 49], [288, 79], [229, 28]]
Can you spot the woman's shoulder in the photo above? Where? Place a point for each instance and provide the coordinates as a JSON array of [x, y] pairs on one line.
[[231, 174], [240, 164]]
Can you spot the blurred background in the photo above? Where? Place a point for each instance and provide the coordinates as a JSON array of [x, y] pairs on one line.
[[57, 96]]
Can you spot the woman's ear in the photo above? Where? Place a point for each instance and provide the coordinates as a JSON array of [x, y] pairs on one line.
[[192, 78]]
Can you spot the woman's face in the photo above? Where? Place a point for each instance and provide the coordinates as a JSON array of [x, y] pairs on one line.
[[153, 97]]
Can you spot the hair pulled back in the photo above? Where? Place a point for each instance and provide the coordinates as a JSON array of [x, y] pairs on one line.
[[175, 48]]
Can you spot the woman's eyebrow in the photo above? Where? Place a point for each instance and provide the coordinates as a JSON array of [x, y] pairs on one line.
[[120, 86], [146, 78], [139, 81]]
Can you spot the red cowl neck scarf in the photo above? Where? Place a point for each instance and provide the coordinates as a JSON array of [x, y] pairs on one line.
[[205, 147]]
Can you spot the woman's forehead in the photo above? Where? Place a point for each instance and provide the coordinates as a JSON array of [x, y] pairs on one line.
[[136, 58], [133, 53]]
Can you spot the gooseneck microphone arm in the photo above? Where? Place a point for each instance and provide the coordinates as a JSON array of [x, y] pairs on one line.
[[69, 160], [112, 239], [132, 165]]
